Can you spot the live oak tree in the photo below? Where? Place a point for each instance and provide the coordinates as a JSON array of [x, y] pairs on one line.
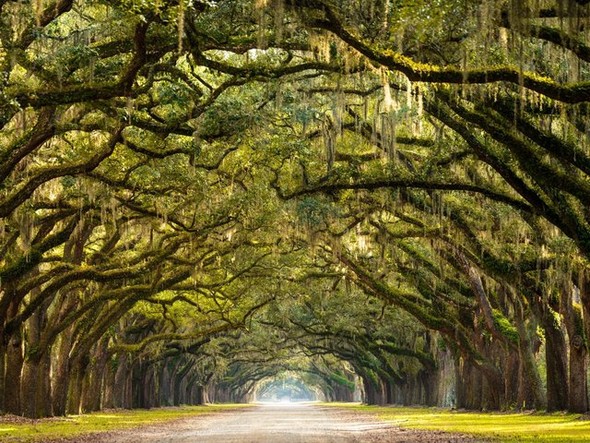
[[505, 117]]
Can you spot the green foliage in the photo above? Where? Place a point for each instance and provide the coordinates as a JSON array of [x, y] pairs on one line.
[[505, 327], [314, 212], [228, 116], [343, 381], [168, 93]]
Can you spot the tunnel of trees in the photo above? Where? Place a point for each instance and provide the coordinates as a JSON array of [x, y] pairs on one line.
[[384, 200]]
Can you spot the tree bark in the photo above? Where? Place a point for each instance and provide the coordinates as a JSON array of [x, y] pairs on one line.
[[119, 379], [33, 384], [578, 355], [12, 380], [584, 285], [3, 350], [374, 392], [36, 387], [149, 388], [93, 386], [76, 386], [530, 388], [469, 387], [108, 383], [29, 386], [44, 400], [14, 366], [555, 356], [578, 399], [61, 378]]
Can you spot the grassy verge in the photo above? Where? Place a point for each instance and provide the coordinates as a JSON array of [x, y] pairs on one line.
[[504, 427], [21, 430]]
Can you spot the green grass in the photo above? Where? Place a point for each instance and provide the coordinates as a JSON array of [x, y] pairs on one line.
[[504, 427], [76, 425]]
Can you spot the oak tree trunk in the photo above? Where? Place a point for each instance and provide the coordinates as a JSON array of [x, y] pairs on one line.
[[61, 376], [12, 377], [556, 359]]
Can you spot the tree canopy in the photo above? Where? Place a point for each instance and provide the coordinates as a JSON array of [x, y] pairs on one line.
[[212, 200]]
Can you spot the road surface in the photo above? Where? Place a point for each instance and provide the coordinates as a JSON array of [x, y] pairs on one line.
[[279, 423]]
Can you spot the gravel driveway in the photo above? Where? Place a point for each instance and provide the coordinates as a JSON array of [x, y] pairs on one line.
[[279, 423]]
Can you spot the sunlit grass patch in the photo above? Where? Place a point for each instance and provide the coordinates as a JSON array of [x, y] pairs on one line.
[[75, 425], [521, 427]]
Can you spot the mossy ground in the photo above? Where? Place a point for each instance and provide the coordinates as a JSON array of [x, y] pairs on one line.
[[504, 427], [22, 430]]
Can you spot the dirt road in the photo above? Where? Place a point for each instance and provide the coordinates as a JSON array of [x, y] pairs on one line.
[[280, 423]]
